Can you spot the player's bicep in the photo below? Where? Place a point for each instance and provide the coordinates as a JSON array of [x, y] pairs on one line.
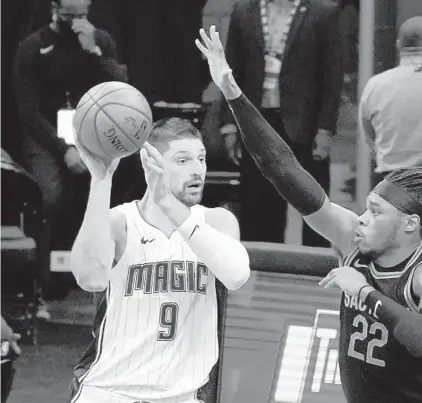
[[223, 221], [118, 233], [336, 224]]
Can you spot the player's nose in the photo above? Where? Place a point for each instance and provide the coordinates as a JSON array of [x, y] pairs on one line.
[[363, 218], [197, 168]]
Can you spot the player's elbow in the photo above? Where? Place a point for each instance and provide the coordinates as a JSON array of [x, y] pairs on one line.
[[90, 278], [239, 273], [92, 286]]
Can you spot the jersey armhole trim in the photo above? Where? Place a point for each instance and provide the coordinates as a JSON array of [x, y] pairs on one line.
[[408, 292], [125, 249]]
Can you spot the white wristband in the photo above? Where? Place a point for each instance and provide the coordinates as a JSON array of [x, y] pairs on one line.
[[188, 227]]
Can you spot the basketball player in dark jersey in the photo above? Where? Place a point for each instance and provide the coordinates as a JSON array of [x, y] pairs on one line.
[[380, 353]]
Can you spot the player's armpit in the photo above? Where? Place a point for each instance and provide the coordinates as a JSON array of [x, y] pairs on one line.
[[118, 233], [336, 224], [224, 221]]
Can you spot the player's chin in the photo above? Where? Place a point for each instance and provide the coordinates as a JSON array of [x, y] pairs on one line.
[[190, 200], [366, 249]]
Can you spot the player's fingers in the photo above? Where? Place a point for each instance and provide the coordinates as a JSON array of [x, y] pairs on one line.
[[331, 284], [154, 154], [215, 38], [202, 48], [144, 158], [205, 38], [328, 278]]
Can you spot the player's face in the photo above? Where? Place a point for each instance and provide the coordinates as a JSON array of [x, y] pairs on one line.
[[381, 227], [186, 164]]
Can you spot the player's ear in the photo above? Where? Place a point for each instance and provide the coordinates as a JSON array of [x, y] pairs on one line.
[[413, 223]]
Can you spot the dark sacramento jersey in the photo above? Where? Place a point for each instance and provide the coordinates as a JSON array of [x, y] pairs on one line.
[[374, 366]]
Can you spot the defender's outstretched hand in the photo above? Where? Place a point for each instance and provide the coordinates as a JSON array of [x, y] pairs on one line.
[[221, 73]]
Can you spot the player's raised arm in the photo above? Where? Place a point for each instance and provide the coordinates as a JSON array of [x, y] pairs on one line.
[[94, 249], [275, 159], [215, 242]]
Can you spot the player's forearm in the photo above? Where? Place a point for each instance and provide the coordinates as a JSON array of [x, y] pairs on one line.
[[405, 325], [225, 256], [275, 159], [93, 251]]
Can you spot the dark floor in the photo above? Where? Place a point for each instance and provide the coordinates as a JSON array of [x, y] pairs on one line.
[[44, 371]]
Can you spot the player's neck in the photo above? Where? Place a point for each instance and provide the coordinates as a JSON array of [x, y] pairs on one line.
[[154, 216], [395, 256]]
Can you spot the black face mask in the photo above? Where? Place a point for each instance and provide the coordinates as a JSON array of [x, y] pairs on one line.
[[66, 32]]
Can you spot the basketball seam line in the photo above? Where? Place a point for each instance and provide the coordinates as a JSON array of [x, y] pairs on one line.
[[108, 93], [96, 92], [129, 107], [100, 108]]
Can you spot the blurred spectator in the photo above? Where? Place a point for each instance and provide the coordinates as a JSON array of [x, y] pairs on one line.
[[156, 41], [54, 67], [19, 19], [10, 350], [390, 112], [286, 55]]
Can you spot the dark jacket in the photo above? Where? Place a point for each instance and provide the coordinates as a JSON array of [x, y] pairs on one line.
[[311, 74], [45, 70]]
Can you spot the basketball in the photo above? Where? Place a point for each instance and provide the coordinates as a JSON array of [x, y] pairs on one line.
[[112, 120]]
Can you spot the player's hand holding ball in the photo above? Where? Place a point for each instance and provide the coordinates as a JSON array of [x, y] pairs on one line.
[[98, 168], [347, 278], [112, 120]]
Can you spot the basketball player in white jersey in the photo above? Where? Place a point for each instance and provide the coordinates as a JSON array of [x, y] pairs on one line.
[[157, 261]]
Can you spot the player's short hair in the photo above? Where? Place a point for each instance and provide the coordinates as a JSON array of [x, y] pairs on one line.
[[168, 129], [409, 180]]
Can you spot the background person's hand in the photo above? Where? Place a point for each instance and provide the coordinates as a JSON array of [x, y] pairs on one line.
[[86, 33], [8, 335], [322, 146], [233, 148]]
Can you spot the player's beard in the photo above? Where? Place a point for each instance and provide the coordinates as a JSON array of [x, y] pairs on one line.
[[391, 242], [188, 198]]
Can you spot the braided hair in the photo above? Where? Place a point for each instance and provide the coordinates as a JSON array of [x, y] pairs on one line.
[[408, 179]]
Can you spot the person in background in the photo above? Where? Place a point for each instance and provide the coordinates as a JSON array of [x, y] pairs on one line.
[[390, 115], [10, 350], [53, 68], [287, 57]]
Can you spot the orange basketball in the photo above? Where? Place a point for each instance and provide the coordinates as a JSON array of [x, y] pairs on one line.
[[112, 120]]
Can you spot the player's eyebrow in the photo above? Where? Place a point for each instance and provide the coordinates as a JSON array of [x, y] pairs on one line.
[[374, 204]]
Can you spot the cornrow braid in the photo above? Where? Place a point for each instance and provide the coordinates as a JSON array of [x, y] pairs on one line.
[[408, 179]]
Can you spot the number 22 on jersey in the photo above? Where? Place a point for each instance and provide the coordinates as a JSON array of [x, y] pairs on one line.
[[380, 339]]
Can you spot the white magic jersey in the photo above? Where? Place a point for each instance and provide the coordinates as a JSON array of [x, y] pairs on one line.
[[158, 338]]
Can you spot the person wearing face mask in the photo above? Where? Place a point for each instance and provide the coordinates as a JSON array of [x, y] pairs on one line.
[[53, 68]]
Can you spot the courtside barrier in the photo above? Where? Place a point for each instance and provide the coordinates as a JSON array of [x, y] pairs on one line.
[[280, 340]]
